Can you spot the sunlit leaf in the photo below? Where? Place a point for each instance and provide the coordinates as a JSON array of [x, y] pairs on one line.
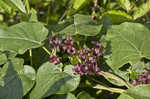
[[129, 42], [23, 36], [51, 80]]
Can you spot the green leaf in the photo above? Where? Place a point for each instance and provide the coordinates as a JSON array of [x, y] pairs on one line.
[[5, 6], [136, 69], [51, 80], [16, 3], [82, 25], [3, 58], [129, 42], [84, 95], [33, 16], [23, 36], [17, 79], [78, 4], [116, 16], [124, 96], [64, 96], [28, 78], [125, 4], [138, 92], [142, 10]]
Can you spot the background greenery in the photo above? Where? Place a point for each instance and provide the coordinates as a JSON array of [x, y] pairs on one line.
[[122, 26]]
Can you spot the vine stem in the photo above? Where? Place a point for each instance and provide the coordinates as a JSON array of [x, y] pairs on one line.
[[46, 50], [28, 11], [30, 54], [27, 6]]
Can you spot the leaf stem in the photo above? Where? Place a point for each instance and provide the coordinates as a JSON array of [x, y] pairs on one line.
[[46, 50], [30, 54], [27, 6]]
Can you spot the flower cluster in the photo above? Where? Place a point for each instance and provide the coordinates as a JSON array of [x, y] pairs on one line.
[[68, 46], [143, 78], [88, 58], [59, 44], [54, 59], [88, 64]]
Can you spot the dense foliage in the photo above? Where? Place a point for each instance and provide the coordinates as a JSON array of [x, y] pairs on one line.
[[74, 49]]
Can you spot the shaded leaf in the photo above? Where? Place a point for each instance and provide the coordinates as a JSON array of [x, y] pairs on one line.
[[129, 42], [64, 96], [51, 80], [17, 79], [23, 36], [84, 95]]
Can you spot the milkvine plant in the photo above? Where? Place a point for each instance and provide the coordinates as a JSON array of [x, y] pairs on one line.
[[74, 49]]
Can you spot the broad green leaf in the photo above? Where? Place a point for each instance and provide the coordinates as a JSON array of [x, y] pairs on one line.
[[4, 6], [18, 80], [3, 58], [124, 96], [28, 78], [84, 95], [129, 42], [64, 96], [78, 4], [125, 4], [138, 92], [17, 3], [23, 36], [142, 10], [82, 25], [116, 16], [51, 80]]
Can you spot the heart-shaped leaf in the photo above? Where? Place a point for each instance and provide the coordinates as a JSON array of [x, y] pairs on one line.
[[51, 80], [17, 79], [130, 42], [82, 25], [23, 36], [138, 92]]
